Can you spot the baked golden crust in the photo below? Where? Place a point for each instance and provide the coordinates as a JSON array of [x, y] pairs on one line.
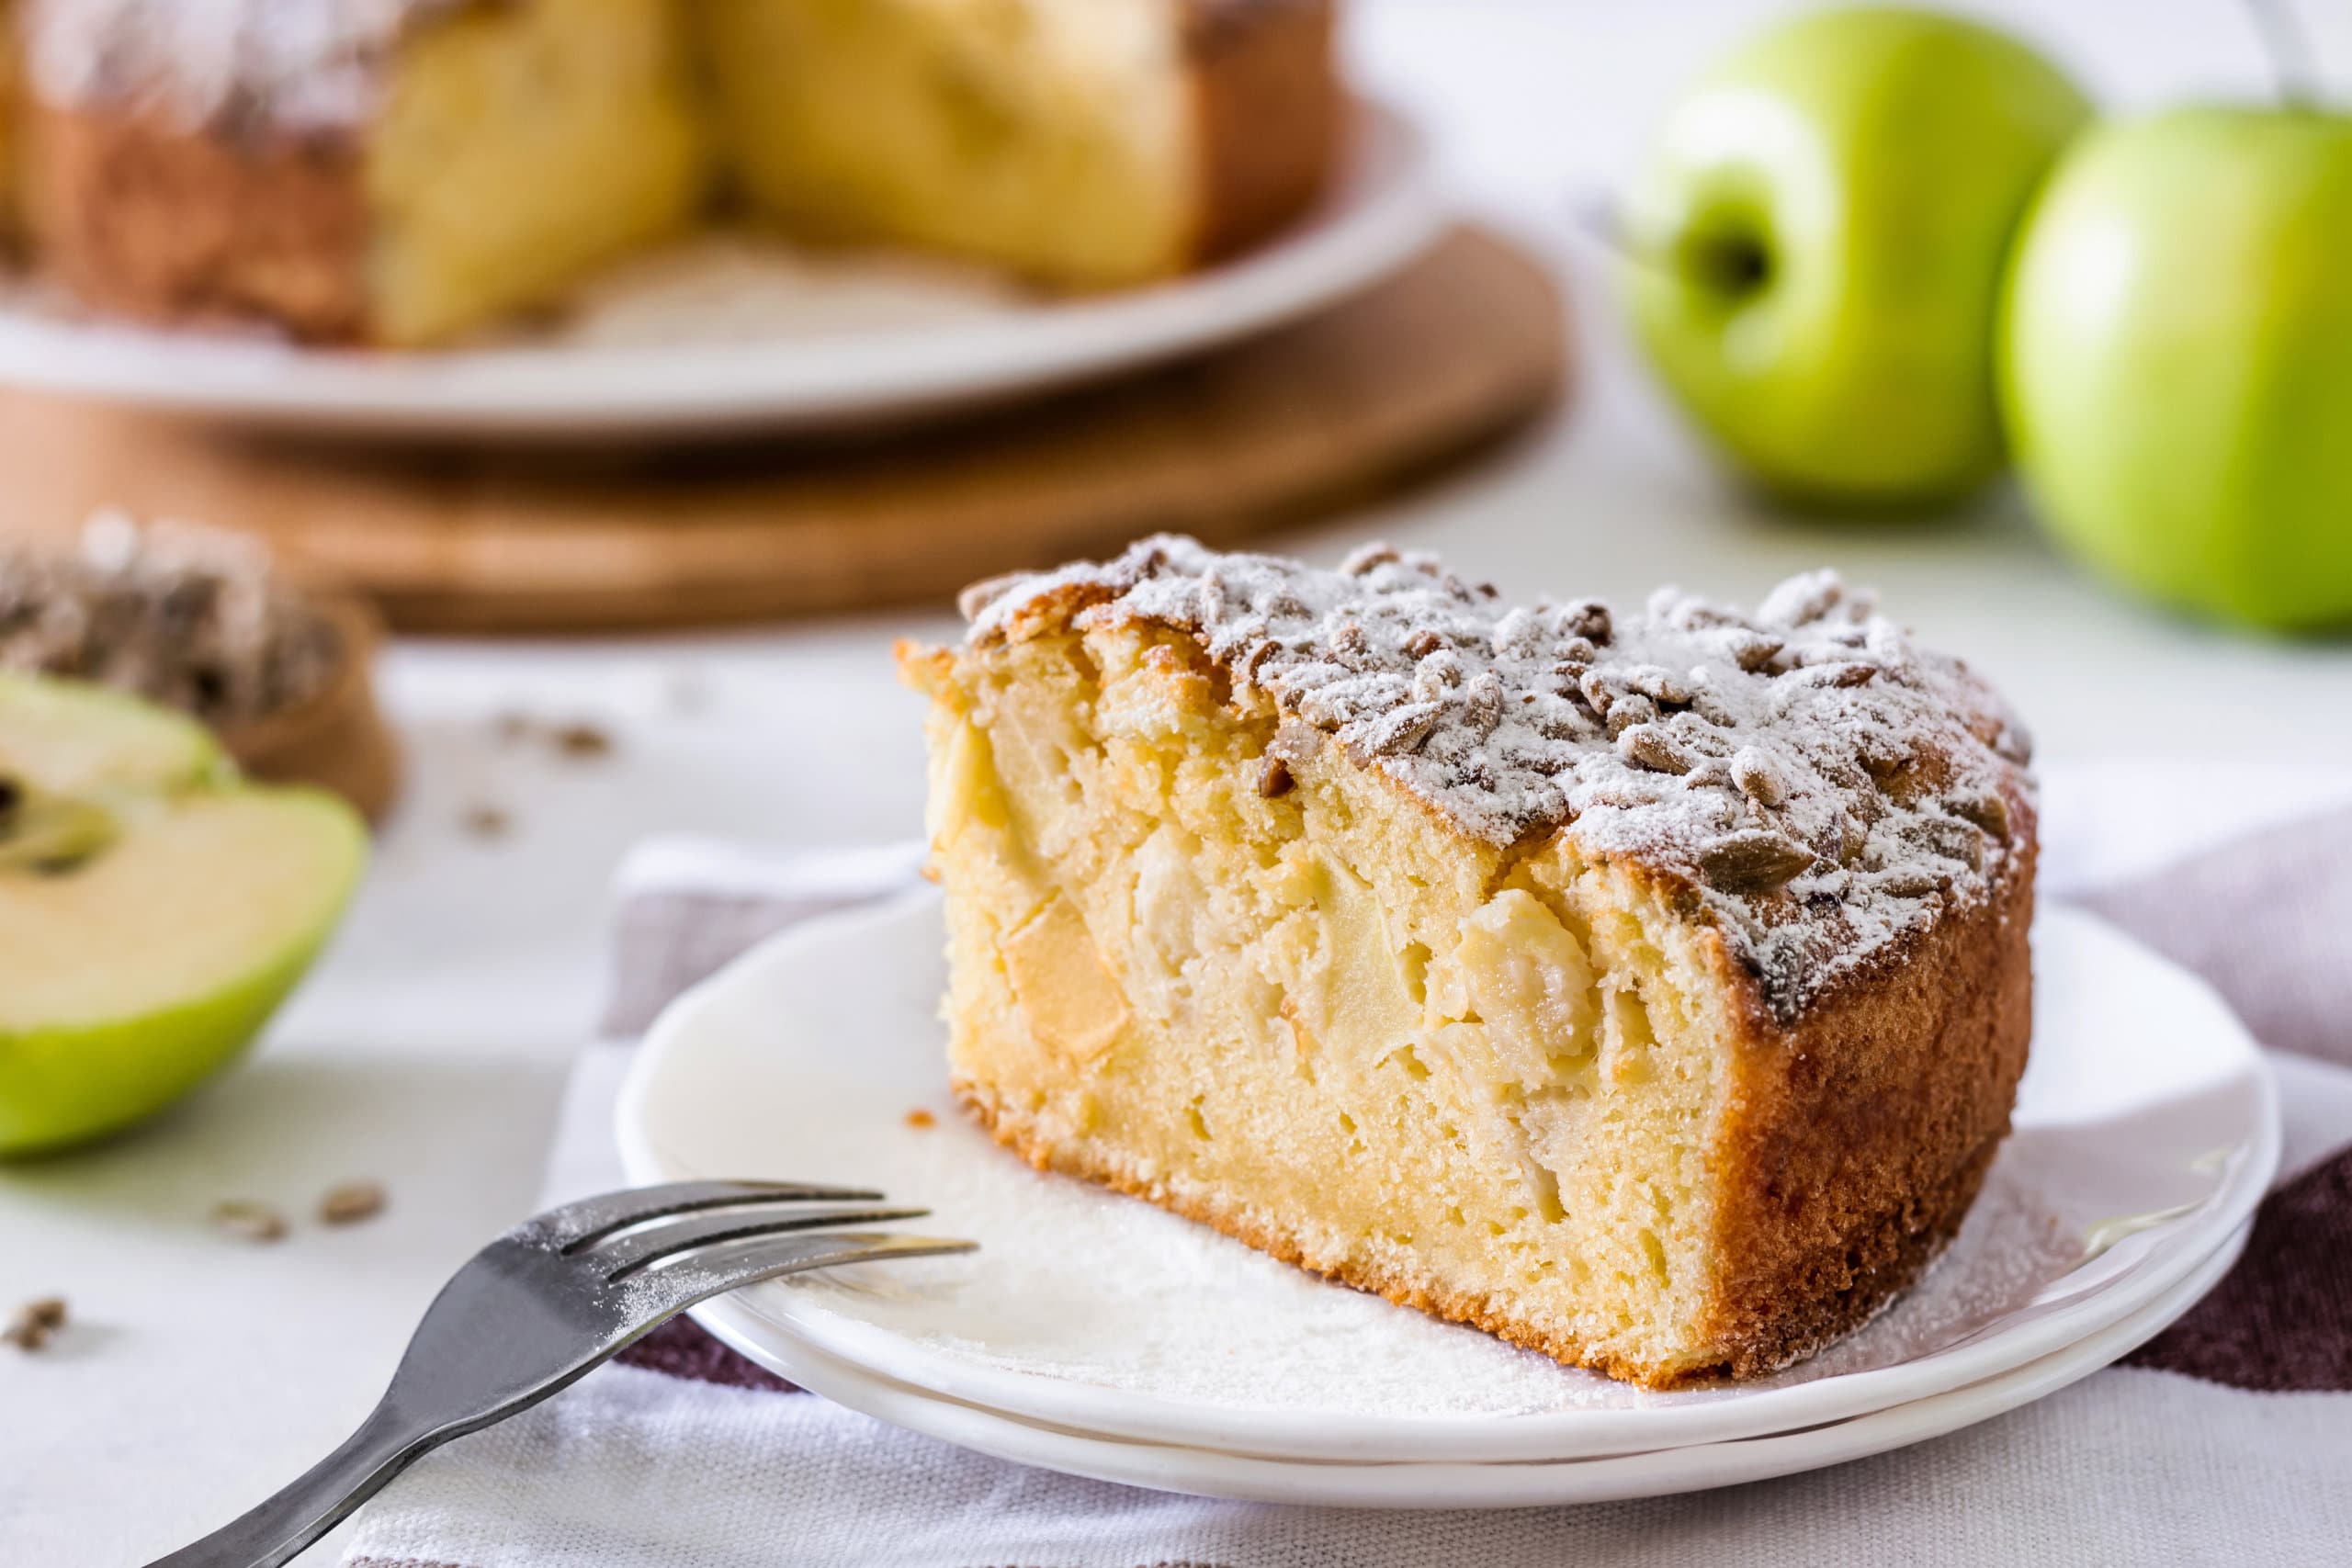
[[1269, 107], [139, 215]]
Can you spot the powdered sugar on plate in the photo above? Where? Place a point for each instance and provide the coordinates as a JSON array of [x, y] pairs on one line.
[[1125, 1264]]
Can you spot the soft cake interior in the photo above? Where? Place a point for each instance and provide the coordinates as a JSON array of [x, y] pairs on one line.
[[1482, 1082], [1048, 136], [521, 145]]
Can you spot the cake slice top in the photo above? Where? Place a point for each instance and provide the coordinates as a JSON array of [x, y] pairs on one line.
[[1824, 786]]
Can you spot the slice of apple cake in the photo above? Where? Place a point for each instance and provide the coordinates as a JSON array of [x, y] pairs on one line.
[[1650, 990]]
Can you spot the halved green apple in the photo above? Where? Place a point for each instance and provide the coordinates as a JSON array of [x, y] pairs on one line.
[[154, 910]]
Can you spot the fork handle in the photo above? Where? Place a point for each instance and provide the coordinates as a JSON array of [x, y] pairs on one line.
[[314, 1504]]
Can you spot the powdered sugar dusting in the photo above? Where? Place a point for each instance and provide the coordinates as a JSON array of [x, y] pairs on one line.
[[1825, 786], [298, 65]]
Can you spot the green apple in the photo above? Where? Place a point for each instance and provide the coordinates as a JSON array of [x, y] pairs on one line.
[[1815, 248], [154, 909], [2176, 360]]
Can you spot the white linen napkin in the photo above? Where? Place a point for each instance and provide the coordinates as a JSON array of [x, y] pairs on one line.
[[2228, 1438]]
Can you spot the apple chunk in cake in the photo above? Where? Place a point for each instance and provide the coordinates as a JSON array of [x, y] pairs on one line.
[[1649, 990]]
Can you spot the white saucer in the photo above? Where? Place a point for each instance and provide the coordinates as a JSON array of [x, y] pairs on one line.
[[729, 335], [2146, 1131], [1656, 1474]]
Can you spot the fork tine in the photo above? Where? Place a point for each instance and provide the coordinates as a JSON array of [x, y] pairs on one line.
[[575, 1225], [699, 1277], [630, 1253]]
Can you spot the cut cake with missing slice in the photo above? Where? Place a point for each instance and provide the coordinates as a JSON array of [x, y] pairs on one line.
[[1650, 990]]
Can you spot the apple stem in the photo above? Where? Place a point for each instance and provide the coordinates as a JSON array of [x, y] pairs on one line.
[[2289, 50]]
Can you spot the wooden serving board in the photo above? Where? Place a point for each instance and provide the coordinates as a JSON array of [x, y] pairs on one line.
[[1466, 345]]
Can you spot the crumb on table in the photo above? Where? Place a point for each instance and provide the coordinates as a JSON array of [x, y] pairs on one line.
[[34, 1322], [583, 741], [248, 1221], [348, 1202], [486, 821]]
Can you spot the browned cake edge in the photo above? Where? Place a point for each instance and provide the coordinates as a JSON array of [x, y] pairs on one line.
[[145, 218], [1269, 107], [1856, 1140], [1856, 1144]]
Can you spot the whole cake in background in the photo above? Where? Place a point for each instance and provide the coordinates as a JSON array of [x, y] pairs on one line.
[[1649, 988], [399, 172]]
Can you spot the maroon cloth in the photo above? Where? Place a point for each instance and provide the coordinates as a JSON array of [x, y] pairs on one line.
[[2282, 1322], [684, 1348]]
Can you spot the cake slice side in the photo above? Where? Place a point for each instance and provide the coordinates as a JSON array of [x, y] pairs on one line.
[[1211, 954]]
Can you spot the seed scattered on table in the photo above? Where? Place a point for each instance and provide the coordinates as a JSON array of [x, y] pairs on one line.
[[583, 741], [920, 1118], [35, 1321], [487, 821], [249, 1221], [349, 1202]]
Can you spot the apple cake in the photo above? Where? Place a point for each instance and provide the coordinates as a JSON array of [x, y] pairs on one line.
[[1650, 990], [400, 171]]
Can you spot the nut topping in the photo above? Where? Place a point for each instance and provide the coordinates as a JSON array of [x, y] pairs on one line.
[[1988, 810], [1758, 779], [1647, 746], [1399, 730], [1753, 862], [1628, 712]]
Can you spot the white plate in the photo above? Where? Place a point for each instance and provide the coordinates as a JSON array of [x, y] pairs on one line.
[[727, 335], [2146, 1131], [1657, 1473]]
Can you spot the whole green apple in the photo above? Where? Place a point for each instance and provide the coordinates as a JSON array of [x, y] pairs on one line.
[[2176, 360], [1816, 245]]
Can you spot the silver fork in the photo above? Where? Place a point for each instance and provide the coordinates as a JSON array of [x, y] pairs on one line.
[[542, 1306]]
